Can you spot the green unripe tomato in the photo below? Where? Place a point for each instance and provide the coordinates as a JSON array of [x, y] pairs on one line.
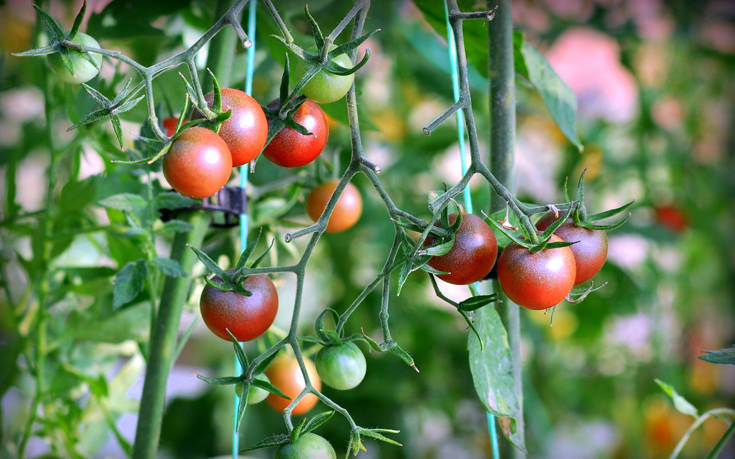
[[84, 66], [255, 393], [341, 367], [308, 446], [324, 87]]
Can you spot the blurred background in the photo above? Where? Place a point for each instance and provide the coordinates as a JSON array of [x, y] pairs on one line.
[[654, 82]]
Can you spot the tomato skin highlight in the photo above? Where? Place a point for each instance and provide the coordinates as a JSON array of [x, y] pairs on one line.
[[284, 373], [289, 148], [536, 280], [473, 254], [198, 163], [246, 130], [84, 70], [324, 87], [590, 250], [346, 211], [247, 317], [307, 446], [341, 367]]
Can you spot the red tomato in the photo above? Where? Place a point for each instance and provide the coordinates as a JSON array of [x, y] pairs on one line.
[[672, 217], [536, 280], [246, 130], [198, 163], [590, 250], [169, 124], [473, 254], [285, 373], [346, 211], [247, 317], [292, 149]]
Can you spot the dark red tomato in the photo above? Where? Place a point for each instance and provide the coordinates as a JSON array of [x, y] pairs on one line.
[[289, 148], [590, 250], [198, 163], [672, 218], [473, 254], [536, 280], [169, 124], [346, 211], [285, 373], [247, 317], [246, 130]]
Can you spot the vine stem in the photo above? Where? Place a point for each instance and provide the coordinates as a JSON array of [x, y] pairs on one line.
[[502, 139], [698, 422]]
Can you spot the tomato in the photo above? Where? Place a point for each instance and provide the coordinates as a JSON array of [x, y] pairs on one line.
[[307, 446], [341, 367], [324, 87], [590, 250], [473, 254], [346, 211], [255, 393], [285, 373], [198, 163], [672, 218], [169, 124], [246, 130], [536, 280], [84, 66], [289, 148], [247, 317]]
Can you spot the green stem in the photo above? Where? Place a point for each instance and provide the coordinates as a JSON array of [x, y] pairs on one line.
[[698, 422], [163, 340], [721, 443], [502, 138]]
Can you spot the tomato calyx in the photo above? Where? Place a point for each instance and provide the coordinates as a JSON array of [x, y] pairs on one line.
[[579, 215], [525, 240], [304, 430]]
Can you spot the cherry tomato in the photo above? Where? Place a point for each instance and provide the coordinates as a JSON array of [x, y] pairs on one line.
[[672, 218], [341, 367], [590, 250], [536, 280], [198, 163], [169, 124], [292, 149], [247, 317], [255, 393], [285, 373], [473, 254], [307, 446], [84, 66], [324, 87], [346, 211], [246, 130]]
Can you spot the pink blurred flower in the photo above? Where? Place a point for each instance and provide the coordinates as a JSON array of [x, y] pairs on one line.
[[589, 62]]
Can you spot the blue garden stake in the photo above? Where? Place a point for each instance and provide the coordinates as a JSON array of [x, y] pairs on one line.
[[244, 216], [463, 163]]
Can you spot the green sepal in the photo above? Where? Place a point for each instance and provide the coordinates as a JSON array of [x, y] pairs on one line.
[[77, 21]]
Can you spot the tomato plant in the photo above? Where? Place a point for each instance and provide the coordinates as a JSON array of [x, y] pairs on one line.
[[82, 66], [246, 130], [341, 367], [255, 393], [325, 87], [247, 317], [290, 148], [307, 446], [537, 280], [198, 163], [346, 211], [285, 373], [590, 248], [473, 254]]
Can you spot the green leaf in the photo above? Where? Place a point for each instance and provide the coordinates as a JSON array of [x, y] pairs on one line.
[[269, 387], [476, 302], [124, 324], [124, 201], [173, 200], [315, 30], [210, 264], [558, 97], [52, 28], [723, 356], [680, 403], [492, 371], [316, 421], [175, 226], [128, 283], [439, 249], [77, 21], [169, 267]]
